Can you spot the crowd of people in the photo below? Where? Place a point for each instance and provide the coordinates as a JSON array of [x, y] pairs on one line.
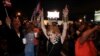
[[26, 38]]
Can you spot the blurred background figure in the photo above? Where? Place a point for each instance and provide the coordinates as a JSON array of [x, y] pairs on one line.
[[84, 43], [12, 32], [29, 36]]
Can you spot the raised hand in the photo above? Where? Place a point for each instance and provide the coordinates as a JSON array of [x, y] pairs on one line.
[[8, 20], [65, 11]]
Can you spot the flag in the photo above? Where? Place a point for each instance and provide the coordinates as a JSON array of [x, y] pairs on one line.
[[33, 15], [36, 10], [7, 3]]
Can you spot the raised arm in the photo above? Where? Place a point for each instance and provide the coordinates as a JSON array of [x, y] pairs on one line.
[[87, 33], [8, 21], [42, 24], [65, 19]]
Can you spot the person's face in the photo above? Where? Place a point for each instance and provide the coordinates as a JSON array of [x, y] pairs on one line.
[[82, 27], [51, 34], [16, 23]]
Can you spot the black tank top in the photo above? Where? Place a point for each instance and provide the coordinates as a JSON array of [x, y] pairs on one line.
[[54, 49]]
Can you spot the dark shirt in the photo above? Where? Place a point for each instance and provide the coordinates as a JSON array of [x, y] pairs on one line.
[[54, 49], [14, 42]]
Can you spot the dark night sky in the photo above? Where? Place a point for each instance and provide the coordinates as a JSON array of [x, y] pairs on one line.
[[76, 7]]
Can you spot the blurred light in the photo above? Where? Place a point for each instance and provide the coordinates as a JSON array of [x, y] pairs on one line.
[[80, 20], [97, 12], [91, 20], [18, 13], [97, 16], [53, 14], [84, 16], [45, 22]]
